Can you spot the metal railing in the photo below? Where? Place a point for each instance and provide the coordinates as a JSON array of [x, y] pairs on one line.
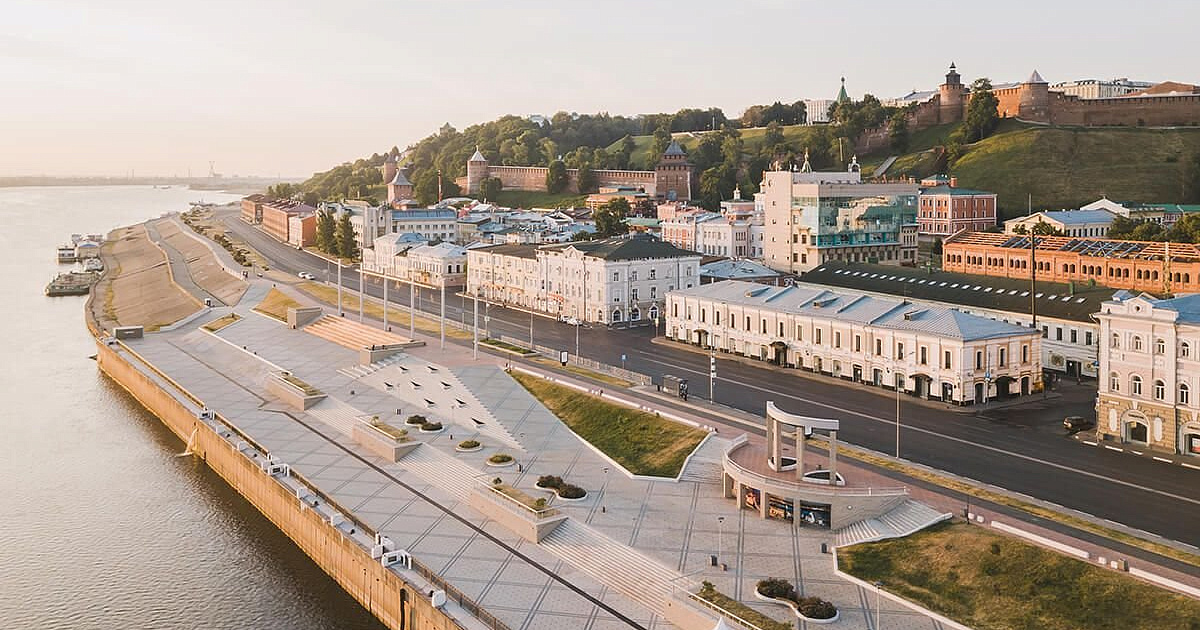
[[637, 378], [503, 499]]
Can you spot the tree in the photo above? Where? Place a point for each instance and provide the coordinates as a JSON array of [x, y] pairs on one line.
[[490, 187], [346, 244], [898, 134], [658, 145], [982, 116], [773, 138], [311, 199], [610, 218], [1186, 229], [1191, 179], [556, 177], [585, 179], [1045, 229], [1020, 229], [326, 241]]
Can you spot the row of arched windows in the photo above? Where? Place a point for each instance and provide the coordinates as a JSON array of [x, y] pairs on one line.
[[1160, 388], [1160, 346]]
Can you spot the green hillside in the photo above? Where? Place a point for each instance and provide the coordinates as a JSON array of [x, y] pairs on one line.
[[1062, 167]]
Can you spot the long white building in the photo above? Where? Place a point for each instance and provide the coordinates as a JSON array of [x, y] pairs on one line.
[[928, 351], [607, 281]]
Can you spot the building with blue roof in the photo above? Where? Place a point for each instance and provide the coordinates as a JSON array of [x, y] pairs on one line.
[[1077, 223], [927, 350]]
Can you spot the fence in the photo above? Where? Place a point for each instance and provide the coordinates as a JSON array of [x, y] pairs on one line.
[[637, 378]]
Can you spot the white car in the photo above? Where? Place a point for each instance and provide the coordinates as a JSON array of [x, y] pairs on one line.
[[304, 275], [571, 321]]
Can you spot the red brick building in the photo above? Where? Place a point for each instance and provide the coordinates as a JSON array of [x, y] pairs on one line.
[[276, 215], [252, 208], [1154, 267], [946, 209]]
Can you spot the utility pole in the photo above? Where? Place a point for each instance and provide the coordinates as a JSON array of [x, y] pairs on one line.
[[475, 327], [443, 315], [712, 372], [385, 300], [531, 329], [362, 293], [1032, 269], [412, 308], [339, 282], [577, 322]]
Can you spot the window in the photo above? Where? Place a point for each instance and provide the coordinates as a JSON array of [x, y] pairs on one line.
[[703, 314], [1003, 356], [946, 360], [1058, 334], [799, 332], [633, 276], [1025, 354], [1114, 382], [1116, 341], [674, 310], [899, 352], [858, 343], [924, 355], [633, 294], [717, 317], [878, 347], [1183, 393], [1160, 390], [1074, 336], [817, 336], [652, 273], [978, 360], [1087, 338], [1137, 343], [780, 329], [1185, 350], [837, 339], [1160, 346], [763, 327], [1135, 385], [616, 276]]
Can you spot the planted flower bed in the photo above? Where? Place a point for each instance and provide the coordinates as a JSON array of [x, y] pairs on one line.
[[812, 609], [468, 446], [500, 459], [563, 489]]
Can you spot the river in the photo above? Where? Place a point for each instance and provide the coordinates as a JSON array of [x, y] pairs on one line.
[[102, 525]]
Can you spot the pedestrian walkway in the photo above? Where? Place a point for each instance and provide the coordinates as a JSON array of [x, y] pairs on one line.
[[907, 518], [620, 566], [353, 335]]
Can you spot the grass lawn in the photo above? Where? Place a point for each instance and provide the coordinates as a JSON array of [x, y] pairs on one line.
[[398, 317], [645, 444], [710, 594], [276, 304], [1003, 499], [504, 345], [221, 322], [396, 433], [994, 582], [308, 390], [538, 199], [524, 499]]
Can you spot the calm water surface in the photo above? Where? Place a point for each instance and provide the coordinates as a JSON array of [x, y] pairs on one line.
[[101, 524]]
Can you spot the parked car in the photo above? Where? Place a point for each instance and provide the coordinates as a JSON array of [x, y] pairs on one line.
[[1078, 423]]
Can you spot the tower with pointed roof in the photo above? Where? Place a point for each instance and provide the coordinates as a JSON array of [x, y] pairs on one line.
[[674, 176], [952, 100], [389, 167], [477, 171], [1034, 103], [842, 96], [399, 188]]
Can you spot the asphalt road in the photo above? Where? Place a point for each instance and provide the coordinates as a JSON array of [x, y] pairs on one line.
[[1022, 449]]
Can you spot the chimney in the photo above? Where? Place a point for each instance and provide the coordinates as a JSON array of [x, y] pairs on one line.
[[954, 182]]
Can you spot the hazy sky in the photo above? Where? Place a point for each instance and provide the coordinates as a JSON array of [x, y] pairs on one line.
[[264, 87]]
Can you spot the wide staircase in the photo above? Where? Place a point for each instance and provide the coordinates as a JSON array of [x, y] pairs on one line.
[[352, 334], [907, 518], [359, 371], [705, 464], [633, 574], [441, 470], [337, 415]]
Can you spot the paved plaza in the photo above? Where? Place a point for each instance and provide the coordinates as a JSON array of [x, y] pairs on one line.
[[627, 544]]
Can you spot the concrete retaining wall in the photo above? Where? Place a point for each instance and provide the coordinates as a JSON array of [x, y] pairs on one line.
[[382, 591], [382, 445]]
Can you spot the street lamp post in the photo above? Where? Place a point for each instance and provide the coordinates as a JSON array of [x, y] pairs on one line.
[[339, 282], [412, 307], [720, 534], [475, 327], [362, 293], [577, 322], [385, 299], [443, 317], [878, 587]]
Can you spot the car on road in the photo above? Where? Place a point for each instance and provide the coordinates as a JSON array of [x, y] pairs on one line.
[[304, 275], [571, 321], [1075, 424]]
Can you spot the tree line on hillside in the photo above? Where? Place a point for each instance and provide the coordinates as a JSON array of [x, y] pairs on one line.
[[1185, 230]]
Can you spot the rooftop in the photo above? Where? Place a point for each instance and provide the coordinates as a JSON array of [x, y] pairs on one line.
[[946, 189], [1093, 247], [730, 269], [859, 308], [424, 213], [1062, 301], [634, 247], [1078, 217]]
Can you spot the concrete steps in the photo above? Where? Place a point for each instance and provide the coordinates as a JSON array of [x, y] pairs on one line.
[[440, 470], [624, 569], [352, 334], [359, 371], [336, 414], [907, 518], [705, 466]]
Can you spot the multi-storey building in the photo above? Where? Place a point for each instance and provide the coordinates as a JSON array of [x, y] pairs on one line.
[[277, 215], [1164, 214], [947, 209], [607, 281], [401, 257], [928, 351], [385, 254], [711, 234], [1070, 337], [1093, 88], [811, 218], [252, 208], [1138, 265], [1086, 223], [432, 224], [1150, 373]]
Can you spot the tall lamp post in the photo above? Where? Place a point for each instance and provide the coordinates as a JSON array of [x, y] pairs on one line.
[[577, 322], [896, 378], [878, 587], [720, 534]]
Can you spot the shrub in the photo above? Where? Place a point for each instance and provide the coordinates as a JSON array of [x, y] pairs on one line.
[[416, 420], [497, 481], [568, 491], [468, 444], [431, 426], [549, 481], [816, 608], [540, 503], [776, 587], [500, 458]]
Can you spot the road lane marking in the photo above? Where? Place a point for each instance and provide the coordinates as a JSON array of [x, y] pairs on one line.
[[1114, 448], [1163, 459], [993, 449]]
